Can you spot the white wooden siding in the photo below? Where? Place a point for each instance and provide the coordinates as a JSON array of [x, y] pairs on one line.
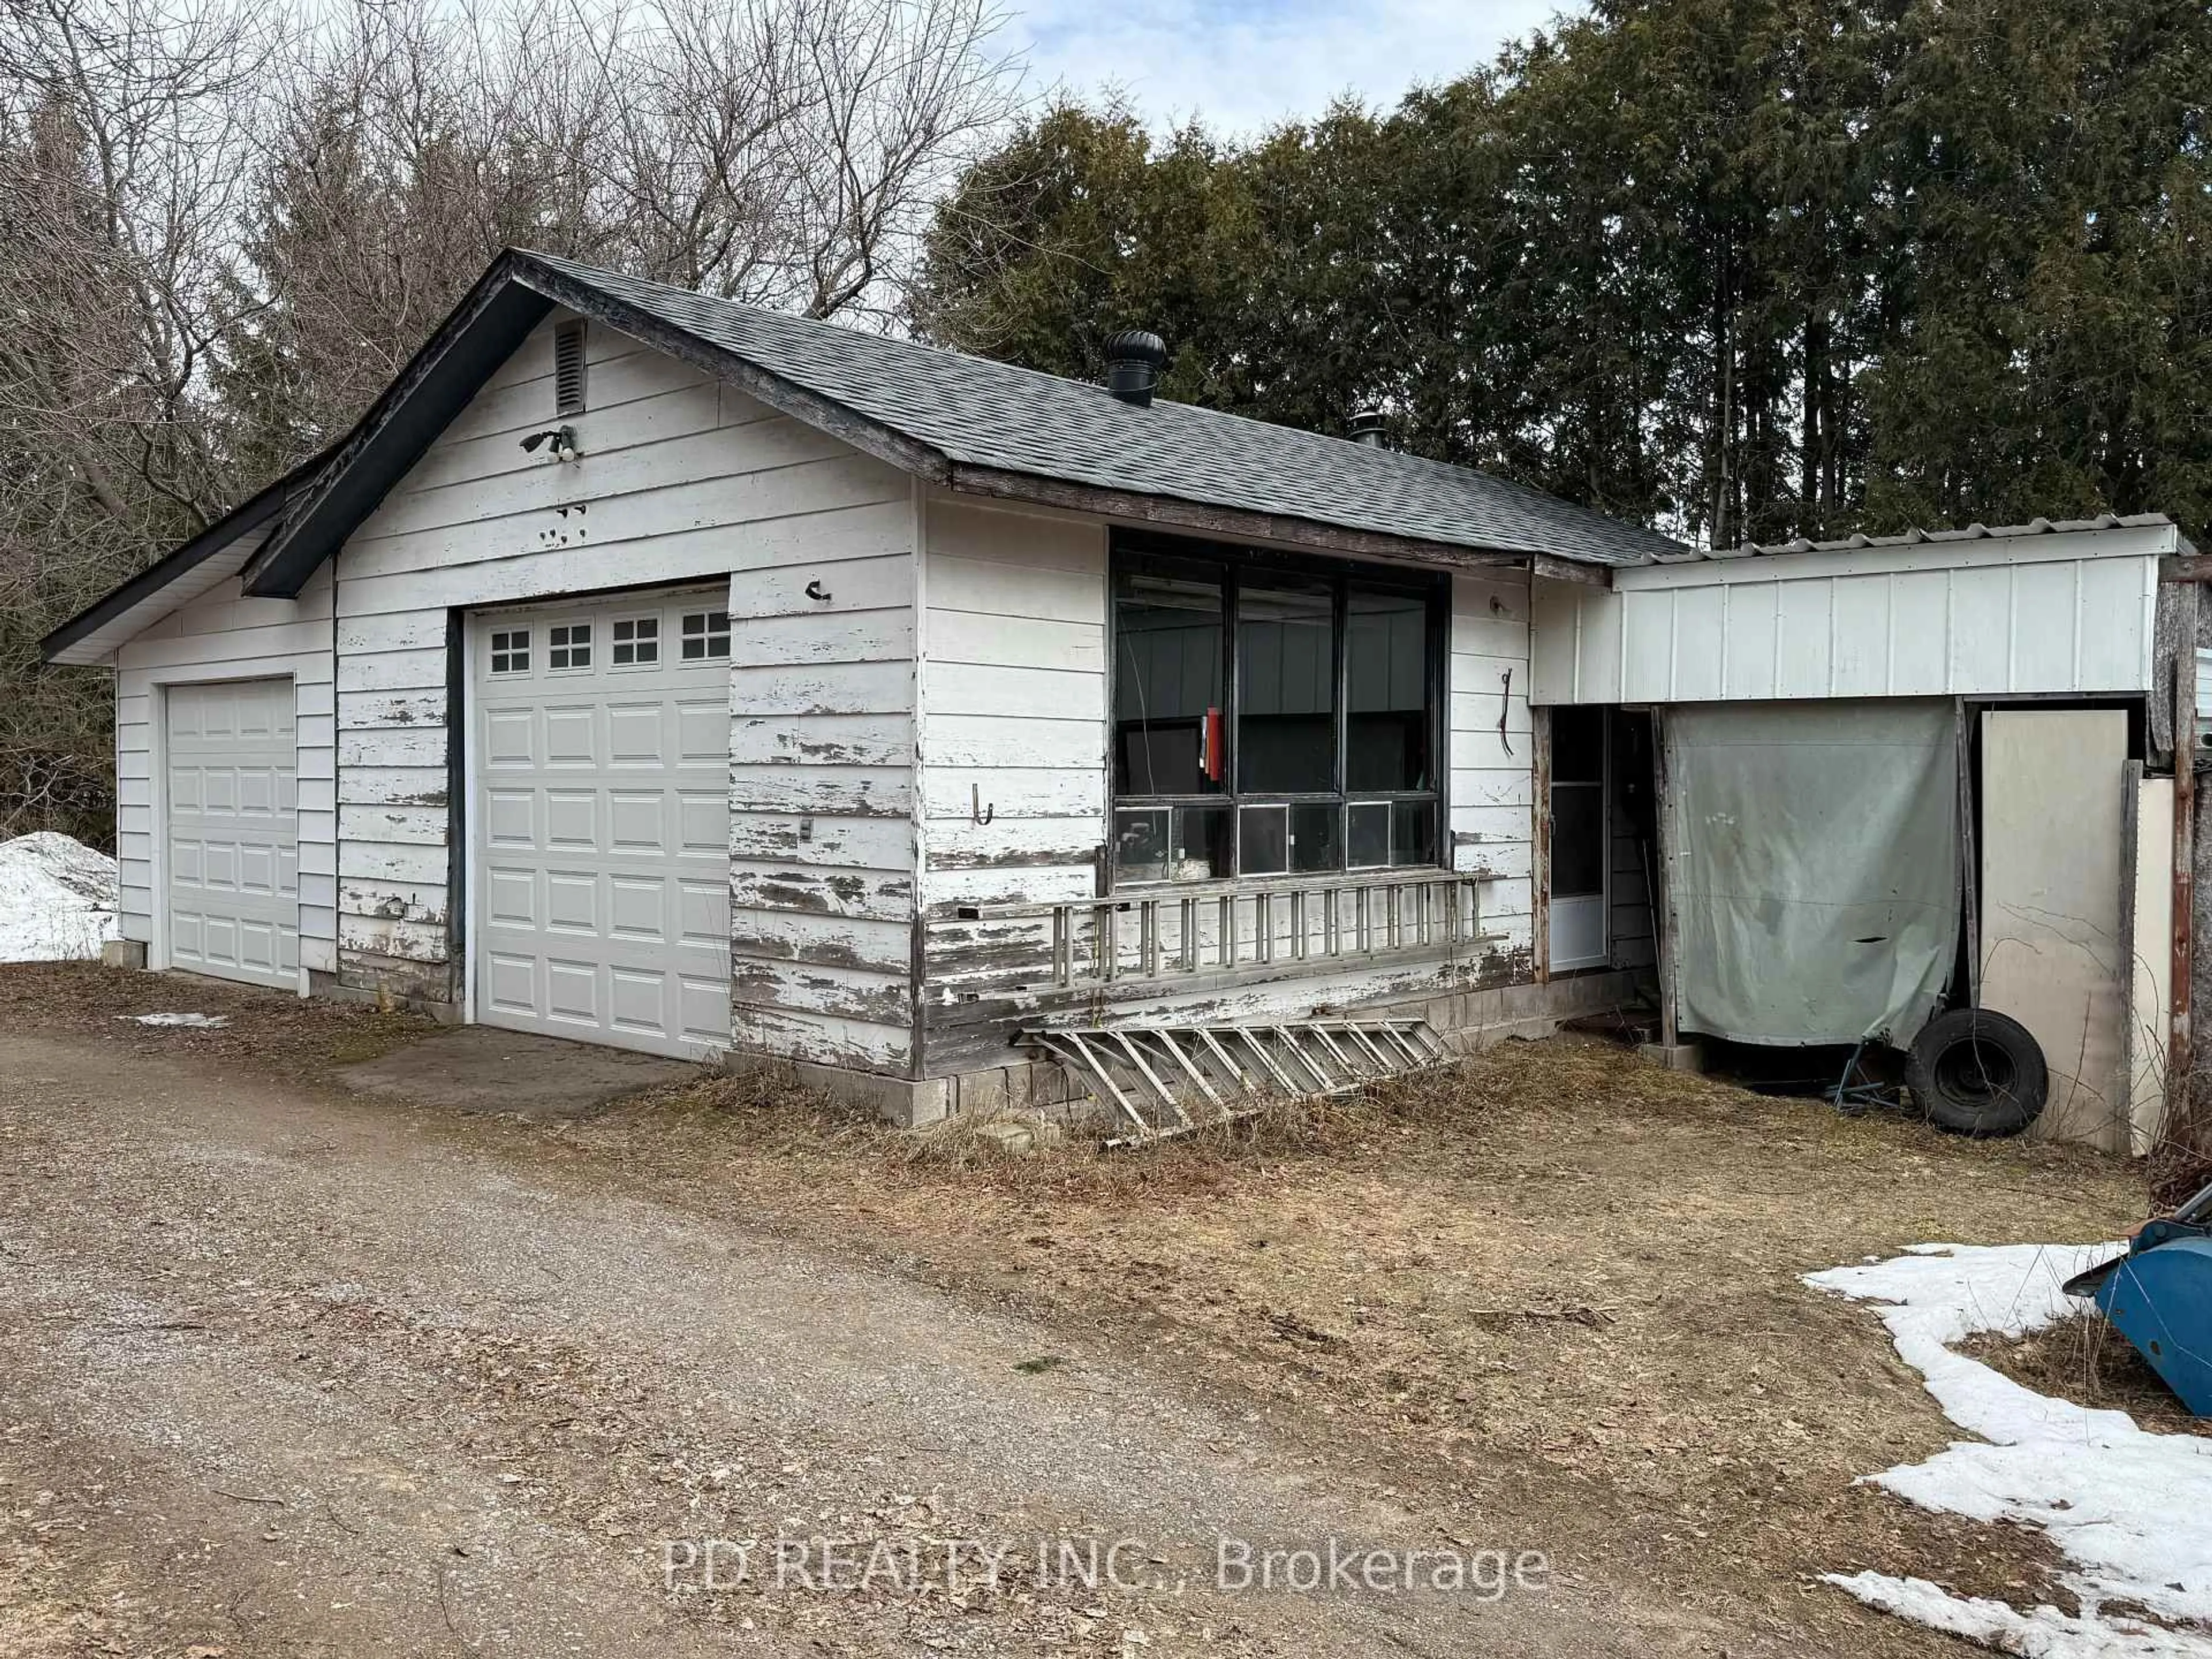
[[680, 478], [2012, 616], [222, 635], [1014, 705], [1494, 780]]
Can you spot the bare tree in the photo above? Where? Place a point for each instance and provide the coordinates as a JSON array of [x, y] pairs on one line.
[[227, 227]]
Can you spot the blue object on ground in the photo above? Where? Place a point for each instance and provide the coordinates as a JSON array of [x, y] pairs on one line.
[[2160, 1299], [2159, 1296]]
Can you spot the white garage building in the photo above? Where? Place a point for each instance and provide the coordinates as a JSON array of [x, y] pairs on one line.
[[652, 671]]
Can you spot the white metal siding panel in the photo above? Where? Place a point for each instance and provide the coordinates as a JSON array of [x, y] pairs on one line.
[[1696, 674], [1750, 642], [2010, 616], [1981, 629], [221, 635], [1919, 633], [1647, 647], [2045, 620], [1803, 658], [2115, 603], [231, 887], [680, 479]]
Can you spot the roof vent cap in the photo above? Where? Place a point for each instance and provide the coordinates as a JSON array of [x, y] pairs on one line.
[[1133, 361], [1367, 427]]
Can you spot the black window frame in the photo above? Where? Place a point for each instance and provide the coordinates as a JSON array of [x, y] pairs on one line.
[[1128, 550]]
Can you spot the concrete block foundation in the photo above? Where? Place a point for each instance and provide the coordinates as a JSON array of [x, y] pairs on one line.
[[1468, 1022]]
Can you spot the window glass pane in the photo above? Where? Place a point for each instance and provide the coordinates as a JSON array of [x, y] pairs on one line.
[[1141, 845], [1368, 844], [1577, 841], [706, 633], [1413, 832], [1167, 680], [1202, 835], [1577, 746], [1313, 835], [636, 640], [570, 647], [1264, 832], [1387, 681], [1286, 684]]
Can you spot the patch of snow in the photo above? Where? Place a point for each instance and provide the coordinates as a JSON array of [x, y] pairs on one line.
[[2042, 1632], [57, 899], [210, 1022], [2131, 1510]]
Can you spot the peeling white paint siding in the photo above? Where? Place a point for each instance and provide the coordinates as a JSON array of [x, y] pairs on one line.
[[2059, 612], [221, 635], [680, 479], [1493, 783], [1015, 717]]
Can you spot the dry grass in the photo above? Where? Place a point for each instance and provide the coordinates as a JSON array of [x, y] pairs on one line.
[[1556, 1284], [2085, 1360], [1555, 1290], [297, 1037]]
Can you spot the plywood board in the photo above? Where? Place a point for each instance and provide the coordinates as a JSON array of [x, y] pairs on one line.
[[2053, 801]]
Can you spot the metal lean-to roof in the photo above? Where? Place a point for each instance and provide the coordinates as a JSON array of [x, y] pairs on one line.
[[1972, 532]]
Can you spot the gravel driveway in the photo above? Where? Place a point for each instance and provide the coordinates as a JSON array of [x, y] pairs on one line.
[[286, 1373]]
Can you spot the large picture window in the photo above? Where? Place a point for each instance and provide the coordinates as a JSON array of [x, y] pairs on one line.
[[1270, 717]]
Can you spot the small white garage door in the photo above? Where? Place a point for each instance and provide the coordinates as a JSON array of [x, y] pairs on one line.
[[602, 821], [232, 866]]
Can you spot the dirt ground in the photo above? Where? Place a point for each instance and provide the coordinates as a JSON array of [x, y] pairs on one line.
[[1547, 1301]]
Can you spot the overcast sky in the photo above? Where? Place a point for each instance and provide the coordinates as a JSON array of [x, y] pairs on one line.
[[1246, 63]]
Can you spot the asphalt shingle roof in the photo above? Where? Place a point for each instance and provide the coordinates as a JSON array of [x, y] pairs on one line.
[[983, 414]]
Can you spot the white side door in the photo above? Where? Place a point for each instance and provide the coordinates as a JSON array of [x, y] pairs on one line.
[[231, 850], [601, 821]]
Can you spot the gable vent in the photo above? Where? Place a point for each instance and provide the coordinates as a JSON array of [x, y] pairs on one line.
[[568, 369]]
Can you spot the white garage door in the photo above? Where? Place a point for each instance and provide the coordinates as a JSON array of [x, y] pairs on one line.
[[233, 864], [602, 817]]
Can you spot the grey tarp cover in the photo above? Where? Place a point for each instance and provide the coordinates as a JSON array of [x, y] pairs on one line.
[[1813, 858]]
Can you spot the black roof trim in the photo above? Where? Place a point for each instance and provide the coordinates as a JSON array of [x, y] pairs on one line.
[[481, 333], [244, 519]]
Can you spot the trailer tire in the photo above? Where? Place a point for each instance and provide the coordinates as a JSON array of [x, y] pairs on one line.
[[1978, 1072]]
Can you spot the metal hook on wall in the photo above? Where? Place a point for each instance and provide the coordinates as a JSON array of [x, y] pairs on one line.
[[976, 810], [816, 590], [1505, 710]]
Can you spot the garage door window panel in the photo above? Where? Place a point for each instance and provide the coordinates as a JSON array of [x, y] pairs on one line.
[[706, 635], [568, 646], [636, 642]]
